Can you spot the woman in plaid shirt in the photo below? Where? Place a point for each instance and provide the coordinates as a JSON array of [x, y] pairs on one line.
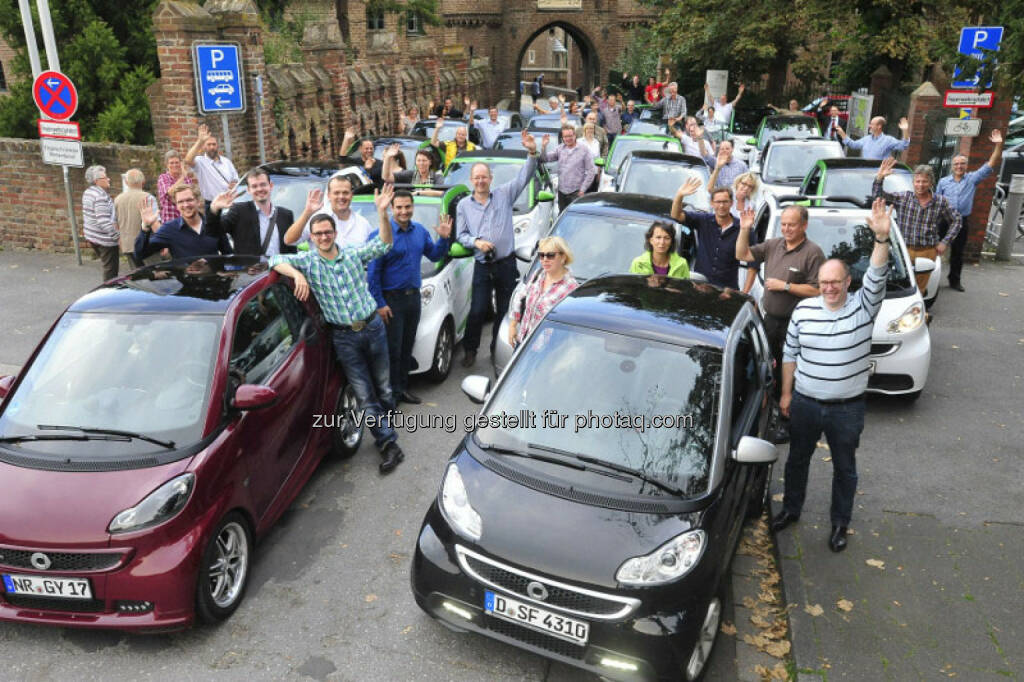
[[553, 283], [175, 173]]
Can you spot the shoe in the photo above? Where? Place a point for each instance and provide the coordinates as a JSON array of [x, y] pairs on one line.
[[469, 359], [956, 286], [393, 456], [782, 520], [837, 541], [406, 397]]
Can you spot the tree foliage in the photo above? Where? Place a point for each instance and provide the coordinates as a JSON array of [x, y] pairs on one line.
[[108, 50]]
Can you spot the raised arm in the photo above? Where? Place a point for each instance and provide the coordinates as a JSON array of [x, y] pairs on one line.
[[314, 201], [347, 141], [197, 146], [743, 251], [388, 168], [996, 138], [884, 171], [739, 94], [880, 221], [382, 198], [689, 187]]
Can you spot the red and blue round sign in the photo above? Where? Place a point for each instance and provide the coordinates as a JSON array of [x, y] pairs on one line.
[[55, 95]]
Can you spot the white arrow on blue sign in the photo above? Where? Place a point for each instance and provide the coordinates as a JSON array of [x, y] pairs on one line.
[[972, 40], [220, 85]]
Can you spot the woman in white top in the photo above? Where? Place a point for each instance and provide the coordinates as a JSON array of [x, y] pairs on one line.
[[744, 187], [590, 141]]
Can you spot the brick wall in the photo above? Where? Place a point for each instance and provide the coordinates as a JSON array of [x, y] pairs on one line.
[[33, 206]]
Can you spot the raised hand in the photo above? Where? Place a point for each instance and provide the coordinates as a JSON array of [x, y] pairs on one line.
[[529, 142], [904, 124], [880, 219], [995, 137], [561, 98], [222, 200], [746, 218], [465, 100], [886, 168], [444, 227], [544, 141], [392, 151], [314, 200], [742, 87], [149, 215], [689, 187], [382, 197], [440, 120], [350, 133], [473, 106], [204, 131]]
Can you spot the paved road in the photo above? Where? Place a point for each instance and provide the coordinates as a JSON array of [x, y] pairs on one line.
[[330, 596]]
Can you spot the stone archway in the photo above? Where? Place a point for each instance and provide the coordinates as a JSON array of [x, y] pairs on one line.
[[583, 42]]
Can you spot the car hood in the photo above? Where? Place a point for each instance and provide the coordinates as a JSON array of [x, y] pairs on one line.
[[559, 537], [59, 508]]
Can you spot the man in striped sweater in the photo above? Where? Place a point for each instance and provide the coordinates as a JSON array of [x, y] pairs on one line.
[[99, 220], [825, 374]]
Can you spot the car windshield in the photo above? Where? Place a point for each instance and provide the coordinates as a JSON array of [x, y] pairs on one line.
[[664, 179], [547, 122], [745, 121], [147, 374], [788, 127], [850, 240], [426, 129], [857, 183], [602, 376], [648, 127], [624, 144], [289, 192], [425, 213], [787, 164], [600, 244], [458, 174], [408, 152]]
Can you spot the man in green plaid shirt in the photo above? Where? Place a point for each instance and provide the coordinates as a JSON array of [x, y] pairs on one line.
[[337, 278]]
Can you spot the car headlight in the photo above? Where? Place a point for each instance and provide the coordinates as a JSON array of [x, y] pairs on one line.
[[669, 562], [162, 504], [456, 507], [910, 320], [427, 294]]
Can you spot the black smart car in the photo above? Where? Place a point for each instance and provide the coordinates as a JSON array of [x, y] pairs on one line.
[[591, 516]]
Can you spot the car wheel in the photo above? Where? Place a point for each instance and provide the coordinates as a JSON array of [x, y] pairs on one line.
[[224, 572], [345, 435], [762, 490], [705, 639], [444, 349]]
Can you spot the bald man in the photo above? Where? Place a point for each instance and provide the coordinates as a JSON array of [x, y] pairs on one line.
[[877, 145]]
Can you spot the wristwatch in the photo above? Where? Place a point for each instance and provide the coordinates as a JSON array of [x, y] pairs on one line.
[[882, 241], [787, 286]]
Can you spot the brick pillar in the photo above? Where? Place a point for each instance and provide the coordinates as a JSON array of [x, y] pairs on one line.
[[978, 150], [881, 85], [925, 105]]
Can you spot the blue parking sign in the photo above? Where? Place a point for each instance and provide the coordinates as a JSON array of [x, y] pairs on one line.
[[220, 86], [973, 39]]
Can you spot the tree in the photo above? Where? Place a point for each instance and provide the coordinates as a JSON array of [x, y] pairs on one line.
[[108, 50]]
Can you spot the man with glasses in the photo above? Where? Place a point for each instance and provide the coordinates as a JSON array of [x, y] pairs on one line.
[[717, 233], [190, 235], [351, 229], [337, 277], [824, 376]]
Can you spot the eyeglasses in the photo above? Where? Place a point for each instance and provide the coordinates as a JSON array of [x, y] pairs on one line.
[[831, 283], [545, 255], [319, 235], [722, 201]]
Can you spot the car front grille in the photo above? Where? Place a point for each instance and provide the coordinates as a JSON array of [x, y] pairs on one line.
[[60, 561], [536, 639], [51, 604], [883, 348], [891, 382], [573, 600]]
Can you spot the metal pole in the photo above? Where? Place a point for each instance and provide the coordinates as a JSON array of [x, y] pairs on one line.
[[227, 135], [30, 38], [71, 214], [259, 118], [46, 26], [1011, 216]]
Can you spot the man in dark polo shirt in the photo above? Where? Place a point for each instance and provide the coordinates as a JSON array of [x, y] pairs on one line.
[[791, 265], [717, 233]]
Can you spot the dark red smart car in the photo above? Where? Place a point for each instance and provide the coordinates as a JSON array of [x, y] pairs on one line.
[[164, 422]]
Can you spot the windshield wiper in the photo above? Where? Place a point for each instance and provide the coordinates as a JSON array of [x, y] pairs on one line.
[[169, 444], [33, 437], [530, 455], [636, 473]]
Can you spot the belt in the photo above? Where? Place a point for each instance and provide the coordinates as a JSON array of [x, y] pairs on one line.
[[834, 401], [401, 292], [357, 326]]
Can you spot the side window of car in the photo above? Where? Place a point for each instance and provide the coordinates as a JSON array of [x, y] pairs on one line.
[[263, 337], [294, 311], [745, 386], [761, 228], [812, 183]]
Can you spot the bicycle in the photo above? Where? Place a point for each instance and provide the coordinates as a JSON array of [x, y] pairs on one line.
[[995, 220]]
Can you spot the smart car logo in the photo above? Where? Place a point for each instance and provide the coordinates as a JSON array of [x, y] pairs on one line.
[[537, 591], [40, 561]]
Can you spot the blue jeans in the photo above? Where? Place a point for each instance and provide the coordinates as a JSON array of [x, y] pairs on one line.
[[842, 424], [364, 357], [405, 320], [501, 276]]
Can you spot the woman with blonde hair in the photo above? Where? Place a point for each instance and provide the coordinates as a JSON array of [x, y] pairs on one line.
[[551, 284], [744, 187]]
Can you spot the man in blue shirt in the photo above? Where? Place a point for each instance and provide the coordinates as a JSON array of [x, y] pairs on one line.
[[877, 145], [959, 189], [395, 281], [189, 236]]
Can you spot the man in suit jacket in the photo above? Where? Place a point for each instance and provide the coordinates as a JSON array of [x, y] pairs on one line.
[[257, 227]]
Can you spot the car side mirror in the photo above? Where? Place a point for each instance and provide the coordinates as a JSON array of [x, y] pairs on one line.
[[755, 451], [599, 162], [923, 265], [524, 253], [457, 250], [476, 387], [6, 382], [253, 397], [545, 195]]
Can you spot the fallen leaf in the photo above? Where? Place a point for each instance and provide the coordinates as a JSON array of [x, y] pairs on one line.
[[814, 609], [760, 621], [778, 649], [955, 347], [823, 446], [1003, 293], [896, 603], [876, 563], [370, 598], [777, 497], [407, 629], [728, 629], [845, 605], [398, 533], [749, 602]]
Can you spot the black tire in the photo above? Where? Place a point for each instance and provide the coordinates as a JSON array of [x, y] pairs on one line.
[[224, 571], [707, 636], [444, 352], [762, 491], [345, 435]]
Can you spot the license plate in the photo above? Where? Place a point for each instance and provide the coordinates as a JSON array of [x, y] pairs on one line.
[[40, 586], [871, 367], [570, 629]]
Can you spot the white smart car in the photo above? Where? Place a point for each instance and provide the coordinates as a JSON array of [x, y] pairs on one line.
[[900, 342]]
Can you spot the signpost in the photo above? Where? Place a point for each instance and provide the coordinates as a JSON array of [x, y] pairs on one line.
[[220, 84], [973, 39], [955, 99], [963, 127], [62, 152]]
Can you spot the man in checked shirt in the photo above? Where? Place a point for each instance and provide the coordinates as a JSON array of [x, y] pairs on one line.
[[918, 214], [576, 169], [337, 278]]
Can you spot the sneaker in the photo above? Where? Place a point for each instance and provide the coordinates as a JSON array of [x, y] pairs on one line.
[[392, 457]]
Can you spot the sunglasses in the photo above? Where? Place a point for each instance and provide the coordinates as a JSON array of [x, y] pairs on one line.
[[544, 255], [320, 235]]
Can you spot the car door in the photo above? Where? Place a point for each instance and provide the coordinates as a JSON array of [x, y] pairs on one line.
[[459, 281], [267, 348]]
